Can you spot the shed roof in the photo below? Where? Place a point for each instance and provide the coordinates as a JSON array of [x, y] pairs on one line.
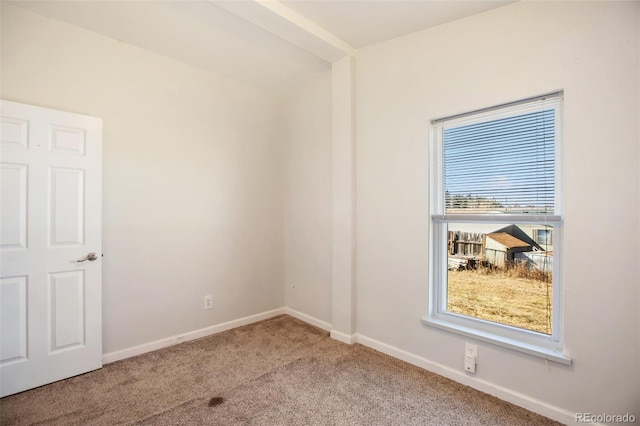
[[507, 240]]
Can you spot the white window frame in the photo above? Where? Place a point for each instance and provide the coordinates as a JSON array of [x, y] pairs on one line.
[[538, 344]]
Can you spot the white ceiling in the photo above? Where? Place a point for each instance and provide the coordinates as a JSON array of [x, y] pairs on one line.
[[364, 22], [268, 44]]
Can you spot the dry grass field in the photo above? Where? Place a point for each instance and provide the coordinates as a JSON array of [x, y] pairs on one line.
[[509, 297]]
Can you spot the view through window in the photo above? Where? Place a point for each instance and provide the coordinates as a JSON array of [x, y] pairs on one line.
[[496, 215], [499, 273]]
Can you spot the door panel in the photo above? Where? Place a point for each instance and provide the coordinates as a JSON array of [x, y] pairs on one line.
[[68, 140], [50, 205], [14, 133], [66, 208], [66, 291], [13, 223], [13, 320]]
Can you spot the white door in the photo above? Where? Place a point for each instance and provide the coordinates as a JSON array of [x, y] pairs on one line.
[[50, 206]]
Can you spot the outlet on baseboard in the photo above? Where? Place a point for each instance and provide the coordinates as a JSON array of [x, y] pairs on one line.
[[208, 301], [470, 357]]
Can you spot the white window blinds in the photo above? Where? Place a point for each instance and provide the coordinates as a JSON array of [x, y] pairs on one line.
[[500, 160]]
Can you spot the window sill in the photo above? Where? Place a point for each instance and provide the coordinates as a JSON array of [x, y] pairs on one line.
[[505, 342]]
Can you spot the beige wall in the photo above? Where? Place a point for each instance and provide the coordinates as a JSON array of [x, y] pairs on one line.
[[589, 49], [308, 198], [193, 176]]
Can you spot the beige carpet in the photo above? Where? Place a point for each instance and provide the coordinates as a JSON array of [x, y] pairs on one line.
[[275, 372]]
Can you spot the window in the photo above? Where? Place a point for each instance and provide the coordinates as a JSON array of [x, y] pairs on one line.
[[543, 236], [494, 209]]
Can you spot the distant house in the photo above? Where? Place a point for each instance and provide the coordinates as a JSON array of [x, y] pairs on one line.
[[531, 244], [501, 248], [541, 235]]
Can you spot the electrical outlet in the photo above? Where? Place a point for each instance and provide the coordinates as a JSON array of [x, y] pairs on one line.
[[471, 350], [470, 357], [208, 301]]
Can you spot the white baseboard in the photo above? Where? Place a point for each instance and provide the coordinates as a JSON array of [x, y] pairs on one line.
[[191, 335], [343, 337], [308, 319], [521, 400]]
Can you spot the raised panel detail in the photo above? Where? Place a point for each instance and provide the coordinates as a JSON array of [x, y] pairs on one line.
[[13, 319], [13, 206], [66, 306], [67, 140], [66, 207], [14, 133]]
